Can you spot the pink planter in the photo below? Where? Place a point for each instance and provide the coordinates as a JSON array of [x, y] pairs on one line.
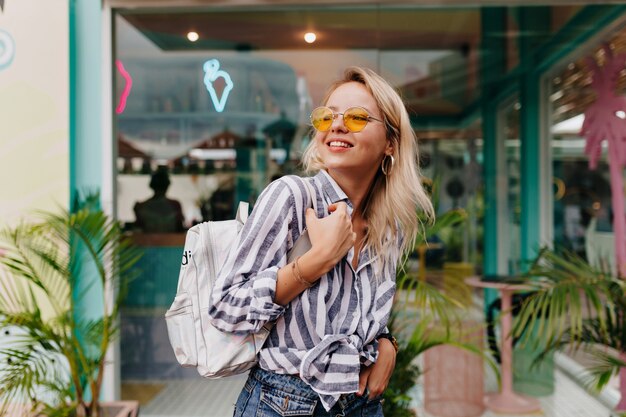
[[454, 379]]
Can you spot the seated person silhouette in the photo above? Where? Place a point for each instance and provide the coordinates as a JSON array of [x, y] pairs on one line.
[[159, 214]]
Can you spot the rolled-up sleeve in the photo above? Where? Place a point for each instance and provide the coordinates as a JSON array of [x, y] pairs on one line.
[[242, 300]]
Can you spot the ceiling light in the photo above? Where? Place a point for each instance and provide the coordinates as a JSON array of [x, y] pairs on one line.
[[193, 36], [569, 126], [310, 37]]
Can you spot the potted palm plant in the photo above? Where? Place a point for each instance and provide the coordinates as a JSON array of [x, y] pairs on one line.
[[414, 339], [578, 307], [434, 319], [55, 357]]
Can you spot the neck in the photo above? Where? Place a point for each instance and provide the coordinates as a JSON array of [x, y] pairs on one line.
[[355, 187]]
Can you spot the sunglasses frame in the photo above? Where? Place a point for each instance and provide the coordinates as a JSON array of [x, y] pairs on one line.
[[337, 114]]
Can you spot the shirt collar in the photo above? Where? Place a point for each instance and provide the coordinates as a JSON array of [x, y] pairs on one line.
[[331, 189]]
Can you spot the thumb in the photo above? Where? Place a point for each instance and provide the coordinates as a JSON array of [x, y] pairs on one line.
[[310, 216]]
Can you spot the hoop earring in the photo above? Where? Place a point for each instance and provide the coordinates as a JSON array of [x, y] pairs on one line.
[[384, 167]]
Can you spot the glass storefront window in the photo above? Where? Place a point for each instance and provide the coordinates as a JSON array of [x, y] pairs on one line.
[[204, 124], [452, 164], [212, 104], [510, 191], [582, 197]]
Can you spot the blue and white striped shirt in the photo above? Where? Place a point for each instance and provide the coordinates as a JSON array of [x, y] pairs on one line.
[[330, 329]]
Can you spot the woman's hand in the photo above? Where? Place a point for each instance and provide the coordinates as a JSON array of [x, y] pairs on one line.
[[332, 236], [376, 376]]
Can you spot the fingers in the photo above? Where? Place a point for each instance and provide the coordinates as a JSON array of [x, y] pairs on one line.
[[340, 211], [375, 391], [310, 217], [374, 387], [331, 235], [310, 214], [363, 377], [370, 384], [381, 371]]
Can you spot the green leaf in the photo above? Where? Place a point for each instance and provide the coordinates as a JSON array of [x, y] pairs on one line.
[[578, 306], [56, 351]]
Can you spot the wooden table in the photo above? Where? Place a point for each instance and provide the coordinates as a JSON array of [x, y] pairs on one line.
[[506, 401]]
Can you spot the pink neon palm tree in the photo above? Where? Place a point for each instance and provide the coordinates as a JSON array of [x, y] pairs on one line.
[[605, 120]]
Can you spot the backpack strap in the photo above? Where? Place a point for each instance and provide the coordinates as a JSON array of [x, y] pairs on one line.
[[311, 193], [303, 244], [242, 212]]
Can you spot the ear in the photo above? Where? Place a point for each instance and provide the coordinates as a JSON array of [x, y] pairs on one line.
[[389, 149]]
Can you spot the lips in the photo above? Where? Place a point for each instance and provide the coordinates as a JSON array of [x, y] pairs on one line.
[[339, 144]]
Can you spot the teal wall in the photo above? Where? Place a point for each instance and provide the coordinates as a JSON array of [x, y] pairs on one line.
[[156, 283]]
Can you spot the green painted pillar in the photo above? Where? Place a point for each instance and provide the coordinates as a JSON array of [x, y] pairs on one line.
[[86, 130], [534, 23], [492, 69], [530, 135], [85, 96]]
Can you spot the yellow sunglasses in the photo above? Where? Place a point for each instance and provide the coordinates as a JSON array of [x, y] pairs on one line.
[[354, 118]]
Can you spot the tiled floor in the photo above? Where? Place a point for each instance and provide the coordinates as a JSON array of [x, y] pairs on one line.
[[196, 398], [215, 398], [568, 400]]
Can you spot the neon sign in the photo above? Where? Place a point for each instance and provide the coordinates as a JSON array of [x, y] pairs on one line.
[[7, 49], [129, 84], [212, 72]]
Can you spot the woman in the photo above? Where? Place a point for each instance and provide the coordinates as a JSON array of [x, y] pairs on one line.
[[329, 352]]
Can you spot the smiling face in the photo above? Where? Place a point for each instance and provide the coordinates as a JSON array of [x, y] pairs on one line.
[[349, 153]]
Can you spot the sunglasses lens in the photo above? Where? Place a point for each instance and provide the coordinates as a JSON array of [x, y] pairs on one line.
[[355, 119], [322, 118]]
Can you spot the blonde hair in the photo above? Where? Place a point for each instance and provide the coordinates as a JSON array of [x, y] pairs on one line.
[[394, 200]]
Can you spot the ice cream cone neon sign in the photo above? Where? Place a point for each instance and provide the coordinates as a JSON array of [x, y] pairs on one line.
[[212, 72]]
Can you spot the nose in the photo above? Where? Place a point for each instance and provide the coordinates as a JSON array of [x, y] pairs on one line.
[[338, 124]]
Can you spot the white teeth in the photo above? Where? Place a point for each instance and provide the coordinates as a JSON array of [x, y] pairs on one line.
[[340, 144]]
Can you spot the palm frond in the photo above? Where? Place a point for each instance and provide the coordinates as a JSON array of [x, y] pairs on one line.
[[29, 373], [428, 299], [54, 262], [576, 306], [567, 290], [35, 258], [607, 364]]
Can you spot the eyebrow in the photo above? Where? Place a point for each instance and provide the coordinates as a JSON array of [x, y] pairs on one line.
[[334, 108]]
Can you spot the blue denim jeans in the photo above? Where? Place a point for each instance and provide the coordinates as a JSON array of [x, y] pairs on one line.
[[268, 394]]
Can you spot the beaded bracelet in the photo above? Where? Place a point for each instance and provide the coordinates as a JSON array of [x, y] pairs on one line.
[[295, 271]]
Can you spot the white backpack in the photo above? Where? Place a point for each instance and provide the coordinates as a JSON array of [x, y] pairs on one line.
[[195, 341]]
